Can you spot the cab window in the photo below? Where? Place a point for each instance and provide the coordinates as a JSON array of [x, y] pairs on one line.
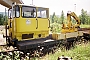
[[17, 11], [10, 13], [28, 12], [42, 13]]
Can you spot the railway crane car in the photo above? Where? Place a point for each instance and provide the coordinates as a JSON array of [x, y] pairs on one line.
[[69, 31], [28, 28]]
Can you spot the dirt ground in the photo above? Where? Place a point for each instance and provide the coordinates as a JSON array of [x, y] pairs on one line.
[[2, 32], [2, 40]]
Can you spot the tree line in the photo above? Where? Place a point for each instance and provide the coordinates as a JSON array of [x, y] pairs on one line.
[[84, 17], [2, 19]]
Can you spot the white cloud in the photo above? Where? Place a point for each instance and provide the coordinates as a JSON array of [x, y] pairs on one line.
[[58, 5]]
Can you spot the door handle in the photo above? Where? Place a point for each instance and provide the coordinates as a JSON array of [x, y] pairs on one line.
[[37, 23]]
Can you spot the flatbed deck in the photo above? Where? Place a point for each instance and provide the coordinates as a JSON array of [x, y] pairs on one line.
[[86, 33], [85, 30]]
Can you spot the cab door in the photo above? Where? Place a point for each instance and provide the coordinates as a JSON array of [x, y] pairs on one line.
[[43, 19], [27, 22]]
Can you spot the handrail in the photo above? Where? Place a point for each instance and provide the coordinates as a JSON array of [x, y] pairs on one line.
[[37, 23]]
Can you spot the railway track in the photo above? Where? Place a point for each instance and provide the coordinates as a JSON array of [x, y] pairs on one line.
[[16, 54], [44, 46], [39, 52]]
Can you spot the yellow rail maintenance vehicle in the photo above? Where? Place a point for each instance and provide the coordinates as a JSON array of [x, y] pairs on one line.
[[29, 29], [28, 26]]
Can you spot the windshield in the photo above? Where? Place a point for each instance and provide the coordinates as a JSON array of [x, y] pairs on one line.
[[28, 12], [41, 13]]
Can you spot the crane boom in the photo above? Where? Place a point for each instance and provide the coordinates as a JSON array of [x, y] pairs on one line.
[[69, 27], [75, 17]]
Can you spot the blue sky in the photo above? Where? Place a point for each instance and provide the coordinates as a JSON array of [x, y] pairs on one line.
[[58, 5]]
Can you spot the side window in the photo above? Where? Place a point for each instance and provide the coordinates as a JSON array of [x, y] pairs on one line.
[[17, 11], [13, 12], [9, 13], [41, 13]]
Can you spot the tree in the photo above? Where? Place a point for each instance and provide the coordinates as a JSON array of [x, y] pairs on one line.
[[1, 19], [53, 17], [62, 17], [89, 20], [83, 16], [50, 18]]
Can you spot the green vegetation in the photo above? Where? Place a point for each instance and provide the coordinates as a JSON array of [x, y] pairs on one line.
[[2, 19], [84, 26], [80, 52], [84, 17]]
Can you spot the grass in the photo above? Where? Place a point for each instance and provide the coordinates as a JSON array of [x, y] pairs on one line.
[[84, 26], [80, 52]]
